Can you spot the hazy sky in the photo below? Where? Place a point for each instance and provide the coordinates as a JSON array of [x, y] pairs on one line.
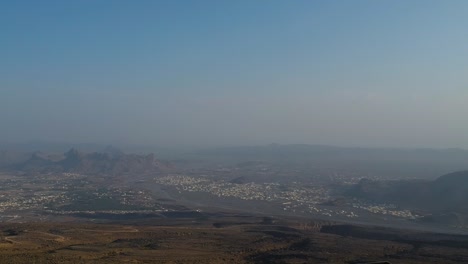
[[353, 73]]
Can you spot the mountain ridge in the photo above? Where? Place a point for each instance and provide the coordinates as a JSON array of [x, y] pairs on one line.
[[112, 163]]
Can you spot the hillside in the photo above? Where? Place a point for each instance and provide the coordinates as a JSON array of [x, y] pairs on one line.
[[226, 238], [445, 194]]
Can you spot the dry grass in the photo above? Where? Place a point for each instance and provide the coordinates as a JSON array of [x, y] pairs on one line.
[[243, 243]]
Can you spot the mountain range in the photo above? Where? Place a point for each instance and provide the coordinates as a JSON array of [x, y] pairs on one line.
[[111, 162]]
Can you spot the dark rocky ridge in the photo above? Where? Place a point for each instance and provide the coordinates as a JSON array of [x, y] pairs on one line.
[[446, 197]]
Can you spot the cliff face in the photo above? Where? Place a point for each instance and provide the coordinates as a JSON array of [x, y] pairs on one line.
[[96, 163]]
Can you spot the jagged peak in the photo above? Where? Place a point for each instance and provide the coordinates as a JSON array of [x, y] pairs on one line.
[[98, 162], [73, 152]]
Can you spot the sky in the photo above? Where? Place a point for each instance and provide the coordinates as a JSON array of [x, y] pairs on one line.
[[389, 73]]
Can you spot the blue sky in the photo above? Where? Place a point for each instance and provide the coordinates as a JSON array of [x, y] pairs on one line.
[[356, 73]]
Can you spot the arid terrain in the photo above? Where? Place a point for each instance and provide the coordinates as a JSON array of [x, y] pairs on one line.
[[243, 132], [112, 207], [227, 238]]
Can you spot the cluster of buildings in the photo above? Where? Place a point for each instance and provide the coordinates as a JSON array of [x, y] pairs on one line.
[[272, 192], [51, 192], [293, 198], [385, 209]]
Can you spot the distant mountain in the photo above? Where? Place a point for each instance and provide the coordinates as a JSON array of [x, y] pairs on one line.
[[112, 162], [50, 147], [295, 151], [445, 194], [113, 151], [384, 162], [37, 160]]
